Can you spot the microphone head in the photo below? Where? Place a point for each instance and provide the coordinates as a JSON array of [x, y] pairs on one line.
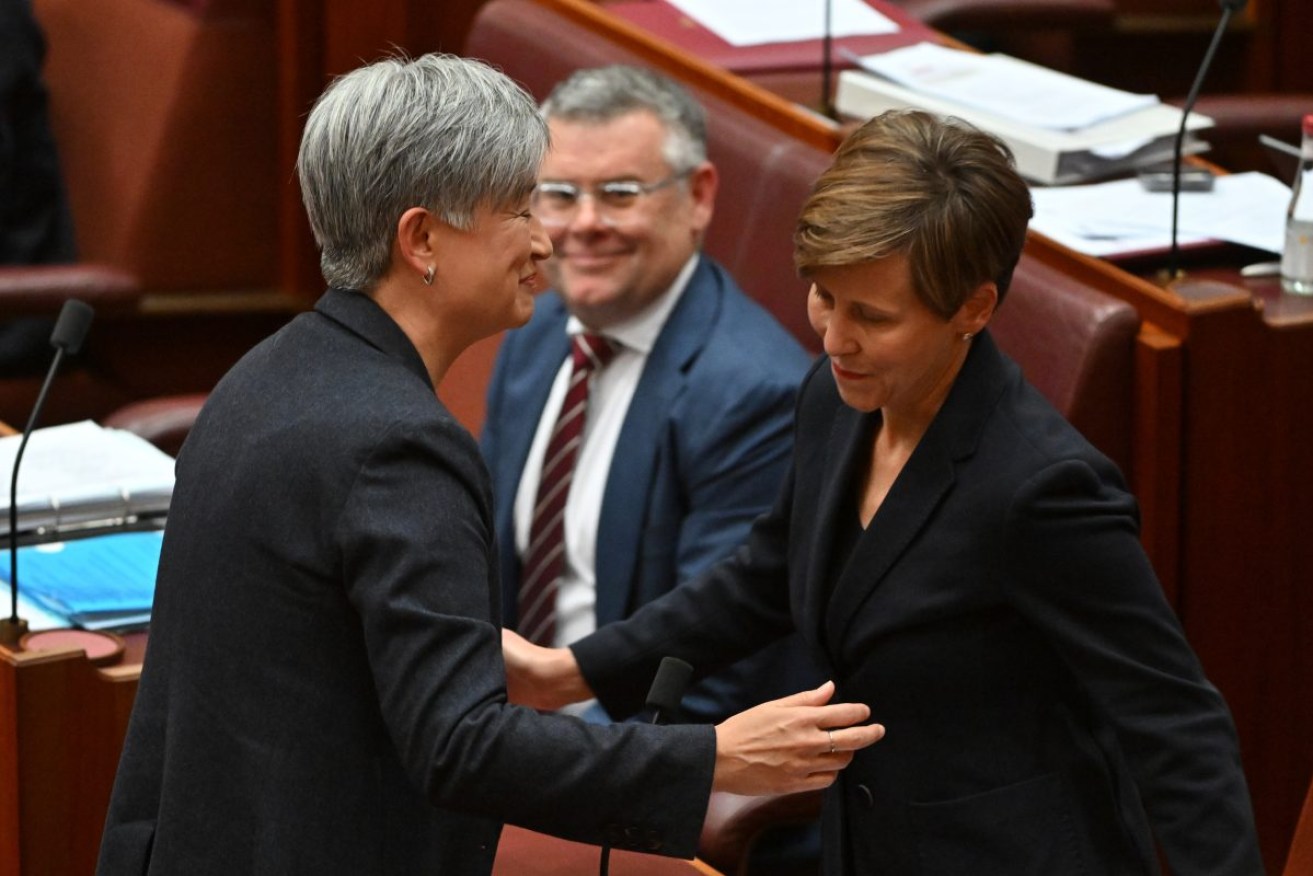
[[72, 325], [668, 686]]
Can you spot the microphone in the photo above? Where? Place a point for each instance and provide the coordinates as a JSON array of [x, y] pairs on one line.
[[827, 61], [69, 333], [668, 688], [663, 699], [1229, 8]]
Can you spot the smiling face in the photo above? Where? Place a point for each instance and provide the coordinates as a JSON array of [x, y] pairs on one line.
[[609, 265], [492, 268], [887, 349]]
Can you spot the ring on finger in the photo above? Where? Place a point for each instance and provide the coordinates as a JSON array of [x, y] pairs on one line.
[[830, 733]]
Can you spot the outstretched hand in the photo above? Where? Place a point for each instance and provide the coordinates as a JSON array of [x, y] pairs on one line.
[[798, 743], [541, 678]]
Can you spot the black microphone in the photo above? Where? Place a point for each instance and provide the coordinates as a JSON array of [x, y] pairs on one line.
[[827, 61], [1229, 8], [663, 699], [69, 333], [668, 687]]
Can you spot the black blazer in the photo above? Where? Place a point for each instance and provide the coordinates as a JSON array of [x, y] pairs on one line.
[[1044, 711], [324, 690]]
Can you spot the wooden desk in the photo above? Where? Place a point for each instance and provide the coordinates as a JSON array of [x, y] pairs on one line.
[[62, 724]]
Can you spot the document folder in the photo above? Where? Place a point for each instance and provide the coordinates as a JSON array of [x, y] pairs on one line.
[[1043, 156], [83, 477]]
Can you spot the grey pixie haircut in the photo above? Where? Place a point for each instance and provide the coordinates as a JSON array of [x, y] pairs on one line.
[[445, 133], [601, 94]]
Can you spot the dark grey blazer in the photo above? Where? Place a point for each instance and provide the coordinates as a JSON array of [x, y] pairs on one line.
[[324, 687], [1044, 712]]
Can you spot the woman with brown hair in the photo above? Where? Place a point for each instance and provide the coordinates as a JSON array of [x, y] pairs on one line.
[[958, 557]]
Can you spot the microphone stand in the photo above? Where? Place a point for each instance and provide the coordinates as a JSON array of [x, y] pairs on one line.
[[12, 629], [827, 61], [70, 330], [663, 699], [1229, 8]]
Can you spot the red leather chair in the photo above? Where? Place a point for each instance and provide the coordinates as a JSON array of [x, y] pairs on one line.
[[1240, 118], [82, 389], [163, 421]]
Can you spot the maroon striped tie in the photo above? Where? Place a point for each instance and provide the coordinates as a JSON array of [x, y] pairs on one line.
[[545, 559]]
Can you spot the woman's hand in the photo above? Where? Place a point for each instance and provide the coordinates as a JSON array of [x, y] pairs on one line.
[[798, 743], [541, 678]]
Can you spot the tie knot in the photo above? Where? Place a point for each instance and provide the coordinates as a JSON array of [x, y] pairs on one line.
[[591, 351]]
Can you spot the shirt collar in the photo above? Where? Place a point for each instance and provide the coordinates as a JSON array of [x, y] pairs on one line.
[[640, 331]]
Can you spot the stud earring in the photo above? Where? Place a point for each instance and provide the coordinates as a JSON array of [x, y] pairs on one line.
[[428, 276], [966, 336]]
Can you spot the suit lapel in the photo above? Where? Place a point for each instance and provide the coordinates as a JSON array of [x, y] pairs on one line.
[[843, 462], [629, 482], [923, 484]]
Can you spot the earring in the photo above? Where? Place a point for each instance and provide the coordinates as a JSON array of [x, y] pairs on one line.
[[966, 336], [428, 276]]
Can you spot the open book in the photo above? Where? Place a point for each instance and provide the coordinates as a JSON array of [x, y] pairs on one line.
[[82, 476]]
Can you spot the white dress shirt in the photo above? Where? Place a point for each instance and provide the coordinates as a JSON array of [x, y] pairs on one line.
[[611, 391]]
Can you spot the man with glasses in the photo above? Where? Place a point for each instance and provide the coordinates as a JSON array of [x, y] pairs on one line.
[[640, 422]]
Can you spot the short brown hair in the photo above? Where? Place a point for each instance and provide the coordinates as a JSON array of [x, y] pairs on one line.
[[939, 191]]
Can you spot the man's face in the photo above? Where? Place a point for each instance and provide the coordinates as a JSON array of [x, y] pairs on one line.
[[612, 260]]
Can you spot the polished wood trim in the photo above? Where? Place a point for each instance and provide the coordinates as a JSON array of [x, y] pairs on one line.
[[62, 725]]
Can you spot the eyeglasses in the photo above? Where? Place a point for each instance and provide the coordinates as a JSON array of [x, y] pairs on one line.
[[556, 203]]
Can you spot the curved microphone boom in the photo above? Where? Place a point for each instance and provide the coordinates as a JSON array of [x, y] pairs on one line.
[[69, 333], [827, 61], [1229, 8]]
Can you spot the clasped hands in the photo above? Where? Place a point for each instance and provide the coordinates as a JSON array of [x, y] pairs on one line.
[[797, 743]]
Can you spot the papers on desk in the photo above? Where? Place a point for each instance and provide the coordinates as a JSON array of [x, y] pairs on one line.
[[1061, 129], [84, 476], [1121, 218], [756, 22], [100, 582], [1005, 87]]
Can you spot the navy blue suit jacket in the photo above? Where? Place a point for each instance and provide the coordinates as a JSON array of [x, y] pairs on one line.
[[1045, 714], [702, 451]]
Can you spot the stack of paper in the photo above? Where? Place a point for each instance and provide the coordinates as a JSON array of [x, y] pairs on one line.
[[82, 476], [1061, 129], [1120, 218], [757, 22]]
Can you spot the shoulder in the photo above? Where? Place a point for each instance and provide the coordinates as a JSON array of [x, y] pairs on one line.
[[743, 339]]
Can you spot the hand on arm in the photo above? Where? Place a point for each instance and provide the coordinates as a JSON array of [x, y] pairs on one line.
[[798, 743], [541, 678]]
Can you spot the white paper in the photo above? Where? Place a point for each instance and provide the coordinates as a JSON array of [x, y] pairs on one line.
[[82, 472], [1005, 87], [755, 22], [1121, 217]]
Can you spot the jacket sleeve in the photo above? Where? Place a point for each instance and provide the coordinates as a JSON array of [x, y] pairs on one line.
[[735, 608], [1075, 567], [415, 540]]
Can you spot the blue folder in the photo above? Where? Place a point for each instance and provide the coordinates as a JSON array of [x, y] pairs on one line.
[[103, 578]]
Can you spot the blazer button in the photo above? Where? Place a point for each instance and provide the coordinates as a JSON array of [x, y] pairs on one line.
[[865, 796]]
